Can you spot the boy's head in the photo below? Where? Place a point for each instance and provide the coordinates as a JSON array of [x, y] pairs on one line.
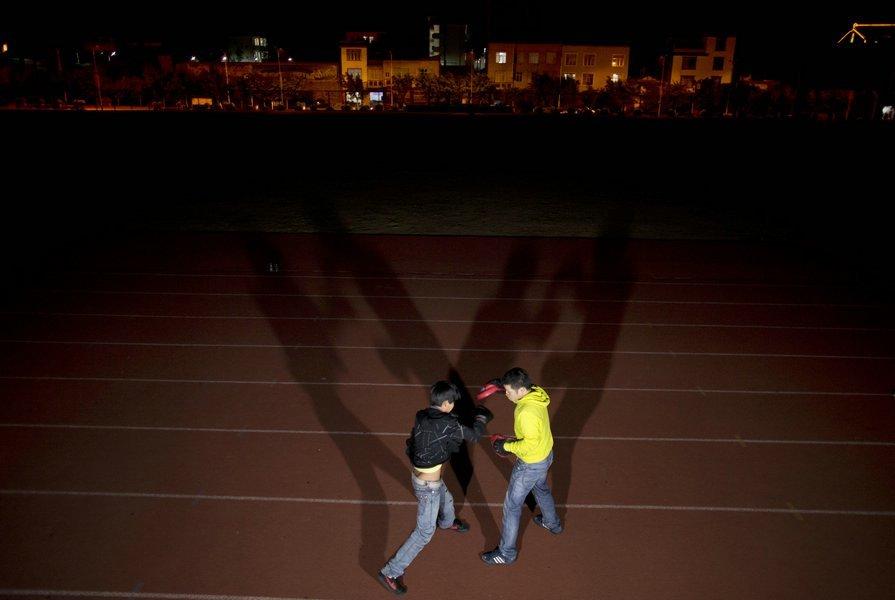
[[516, 383], [443, 395]]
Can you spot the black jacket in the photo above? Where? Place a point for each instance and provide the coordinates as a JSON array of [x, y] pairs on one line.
[[435, 435]]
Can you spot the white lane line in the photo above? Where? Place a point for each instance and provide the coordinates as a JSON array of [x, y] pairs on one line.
[[702, 391], [438, 349], [449, 298], [451, 321], [658, 507], [589, 438], [137, 595], [454, 277]]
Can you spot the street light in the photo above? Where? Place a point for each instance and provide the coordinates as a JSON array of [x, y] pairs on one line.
[[391, 79], [280, 72], [661, 84], [99, 91], [226, 78]]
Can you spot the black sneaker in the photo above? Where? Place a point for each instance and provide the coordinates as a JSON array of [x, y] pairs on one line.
[[458, 526], [556, 530], [393, 584], [494, 557]]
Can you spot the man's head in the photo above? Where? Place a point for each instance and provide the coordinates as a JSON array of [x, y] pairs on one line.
[[443, 395], [516, 383]]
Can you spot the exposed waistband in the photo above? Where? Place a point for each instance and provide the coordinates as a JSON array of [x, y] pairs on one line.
[[425, 482]]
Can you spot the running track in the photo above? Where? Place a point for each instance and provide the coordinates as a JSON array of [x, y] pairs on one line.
[[177, 422]]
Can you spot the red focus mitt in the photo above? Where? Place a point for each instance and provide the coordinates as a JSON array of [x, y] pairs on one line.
[[498, 441], [492, 387]]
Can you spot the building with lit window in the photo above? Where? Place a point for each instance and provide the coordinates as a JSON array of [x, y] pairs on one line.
[[376, 74], [515, 65], [248, 48], [594, 66]]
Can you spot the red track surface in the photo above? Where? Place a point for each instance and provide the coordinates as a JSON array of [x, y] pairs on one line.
[[175, 420]]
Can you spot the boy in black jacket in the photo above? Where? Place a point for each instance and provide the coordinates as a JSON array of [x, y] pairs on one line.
[[436, 434]]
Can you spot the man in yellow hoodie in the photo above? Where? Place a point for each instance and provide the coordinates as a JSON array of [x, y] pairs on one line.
[[533, 447]]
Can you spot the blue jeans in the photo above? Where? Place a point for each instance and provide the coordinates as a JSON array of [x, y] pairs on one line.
[[435, 505], [526, 477]]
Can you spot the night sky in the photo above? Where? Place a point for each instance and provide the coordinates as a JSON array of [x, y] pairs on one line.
[[773, 40]]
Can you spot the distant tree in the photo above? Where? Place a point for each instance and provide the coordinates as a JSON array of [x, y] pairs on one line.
[[353, 86], [429, 86], [483, 90], [127, 89], [568, 88], [678, 97], [618, 95], [401, 84], [707, 98], [544, 89], [452, 87], [262, 87]]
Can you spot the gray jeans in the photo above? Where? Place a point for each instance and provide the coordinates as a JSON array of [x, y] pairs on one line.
[[526, 477], [434, 505]]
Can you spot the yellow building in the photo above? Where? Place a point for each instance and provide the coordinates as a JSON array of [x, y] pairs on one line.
[[514, 65], [593, 66], [712, 60], [353, 64], [376, 75]]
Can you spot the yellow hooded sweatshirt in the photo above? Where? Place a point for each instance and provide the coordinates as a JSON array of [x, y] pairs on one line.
[[531, 424]]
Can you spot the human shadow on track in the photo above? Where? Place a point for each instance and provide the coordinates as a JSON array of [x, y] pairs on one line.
[[604, 288], [363, 453]]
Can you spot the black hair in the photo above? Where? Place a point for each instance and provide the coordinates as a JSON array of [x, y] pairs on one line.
[[443, 391], [516, 378]]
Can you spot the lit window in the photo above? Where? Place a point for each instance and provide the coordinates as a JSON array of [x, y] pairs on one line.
[[615, 78], [5, 48], [568, 76], [263, 42], [571, 59], [589, 79], [590, 60], [375, 96], [533, 58], [618, 60], [501, 58]]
